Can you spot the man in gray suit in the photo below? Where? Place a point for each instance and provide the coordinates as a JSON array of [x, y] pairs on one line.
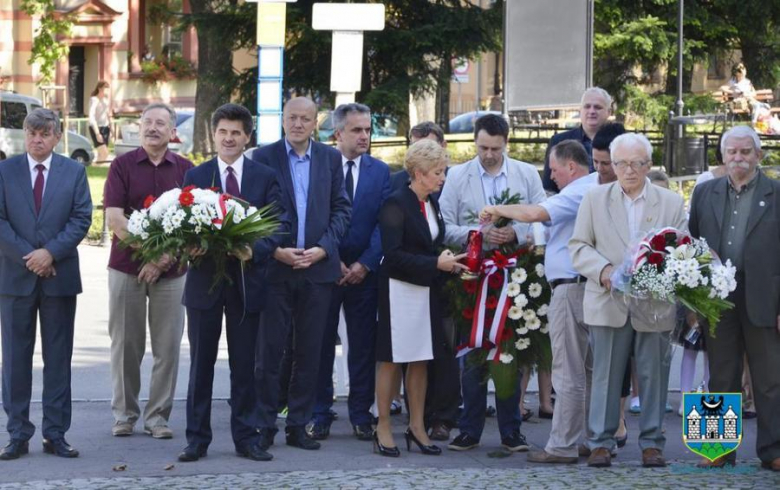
[[610, 218], [739, 215], [470, 187], [45, 212]]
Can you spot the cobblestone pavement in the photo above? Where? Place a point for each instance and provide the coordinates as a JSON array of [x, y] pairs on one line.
[[621, 476]]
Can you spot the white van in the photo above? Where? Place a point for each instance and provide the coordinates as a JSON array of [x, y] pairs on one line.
[[13, 109]]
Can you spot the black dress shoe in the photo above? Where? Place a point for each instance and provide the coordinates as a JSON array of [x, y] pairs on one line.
[[59, 447], [193, 452], [253, 452], [297, 437], [14, 449], [318, 431], [363, 432], [266, 437]]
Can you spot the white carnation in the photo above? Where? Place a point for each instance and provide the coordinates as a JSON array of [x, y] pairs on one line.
[[540, 270], [506, 358], [535, 290], [522, 331], [519, 275], [542, 311], [534, 324], [522, 344], [515, 313], [529, 315], [521, 301], [513, 289]]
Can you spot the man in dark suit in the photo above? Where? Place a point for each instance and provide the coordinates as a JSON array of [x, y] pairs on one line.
[[45, 212], [367, 182], [304, 272], [595, 108], [739, 215], [239, 300], [426, 129]]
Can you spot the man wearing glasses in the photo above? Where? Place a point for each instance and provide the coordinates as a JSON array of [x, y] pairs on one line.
[[611, 217]]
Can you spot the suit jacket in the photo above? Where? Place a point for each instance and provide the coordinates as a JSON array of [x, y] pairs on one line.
[[259, 187], [65, 217], [601, 237], [573, 134], [362, 242], [463, 196], [328, 209], [401, 179], [761, 261]]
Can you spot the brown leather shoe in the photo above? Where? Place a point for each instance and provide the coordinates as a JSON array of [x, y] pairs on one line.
[[653, 458], [600, 458], [773, 465], [545, 457], [440, 432], [719, 462]]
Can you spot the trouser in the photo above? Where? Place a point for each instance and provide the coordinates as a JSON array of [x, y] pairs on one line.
[[18, 322], [735, 335], [611, 347], [572, 369], [443, 396], [302, 306], [130, 303], [360, 309]]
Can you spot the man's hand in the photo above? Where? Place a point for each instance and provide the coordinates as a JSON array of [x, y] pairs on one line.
[[309, 257], [500, 236], [243, 254], [164, 262], [357, 272], [287, 255], [49, 272], [344, 274], [38, 261], [150, 273], [606, 273], [196, 252], [489, 214]]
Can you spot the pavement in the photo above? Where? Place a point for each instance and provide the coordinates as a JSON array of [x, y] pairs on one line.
[[343, 462]]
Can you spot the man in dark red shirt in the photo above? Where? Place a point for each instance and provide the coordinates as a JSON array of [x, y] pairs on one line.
[[139, 289]]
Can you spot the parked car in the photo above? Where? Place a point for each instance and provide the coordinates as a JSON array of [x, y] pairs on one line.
[[130, 137], [382, 126], [13, 109], [464, 123]]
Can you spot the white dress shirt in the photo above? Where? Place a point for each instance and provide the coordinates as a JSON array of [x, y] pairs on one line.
[[34, 172], [355, 170], [635, 209], [493, 185], [238, 168]]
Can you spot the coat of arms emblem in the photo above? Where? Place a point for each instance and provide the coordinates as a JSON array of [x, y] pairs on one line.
[[712, 423]]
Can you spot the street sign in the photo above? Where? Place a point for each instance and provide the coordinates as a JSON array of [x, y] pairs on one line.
[[460, 70]]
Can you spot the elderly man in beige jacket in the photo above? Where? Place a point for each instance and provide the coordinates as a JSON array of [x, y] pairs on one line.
[[611, 217]]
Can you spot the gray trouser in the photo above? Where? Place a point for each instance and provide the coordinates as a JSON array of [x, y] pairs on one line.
[[572, 367], [127, 306], [611, 348]]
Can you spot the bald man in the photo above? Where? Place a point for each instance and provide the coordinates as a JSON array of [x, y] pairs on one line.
[[303, 272]]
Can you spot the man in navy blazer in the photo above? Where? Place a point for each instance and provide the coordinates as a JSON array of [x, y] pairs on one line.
[[367, 183], [45, 212], [304, 272], [240, 299]]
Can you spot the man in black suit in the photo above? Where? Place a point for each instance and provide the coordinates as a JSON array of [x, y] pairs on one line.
[[304, 272], [426, 129], [240, 299], [367, 182], [595, 108]]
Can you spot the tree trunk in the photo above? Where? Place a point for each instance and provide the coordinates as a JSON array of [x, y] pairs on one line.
[[443, 81]]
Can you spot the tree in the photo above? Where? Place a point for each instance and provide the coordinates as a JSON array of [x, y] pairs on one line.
[[47, 50]]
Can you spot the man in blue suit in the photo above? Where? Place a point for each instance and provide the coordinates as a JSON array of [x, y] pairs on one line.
[[239, 299], [367, 182], [307, 267], [45, 212]]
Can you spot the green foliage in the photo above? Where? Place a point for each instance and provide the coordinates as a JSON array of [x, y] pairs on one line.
[[174, 68], [47, 50]]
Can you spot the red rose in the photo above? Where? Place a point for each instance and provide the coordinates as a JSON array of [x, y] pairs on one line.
[[491, 302], [658, 242], [186, 198], [500, 260], [470, 286], [685, 240], [189, 188], [655, 259], [468, 313], [149, 201], [495, 281]]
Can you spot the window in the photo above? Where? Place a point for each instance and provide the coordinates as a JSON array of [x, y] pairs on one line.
[[715, 68], [13, 114]]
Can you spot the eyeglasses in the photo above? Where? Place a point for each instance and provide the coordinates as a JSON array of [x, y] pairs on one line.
[[623, 164]]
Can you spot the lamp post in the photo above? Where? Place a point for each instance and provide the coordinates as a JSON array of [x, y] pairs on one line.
[[680, 102], [347, 21]]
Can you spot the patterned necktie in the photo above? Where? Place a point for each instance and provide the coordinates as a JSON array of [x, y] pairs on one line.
[[38, 188], [231, 183], [349, 181]]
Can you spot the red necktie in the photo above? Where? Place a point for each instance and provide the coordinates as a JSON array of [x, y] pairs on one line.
[[231, 183], [38, 188]]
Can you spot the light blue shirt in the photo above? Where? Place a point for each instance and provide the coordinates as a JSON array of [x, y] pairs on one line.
[[493, 185], [300, 166], [562, 208]]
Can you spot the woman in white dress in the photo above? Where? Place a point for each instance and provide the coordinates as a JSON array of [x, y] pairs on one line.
[[410, 293], [100, 119]]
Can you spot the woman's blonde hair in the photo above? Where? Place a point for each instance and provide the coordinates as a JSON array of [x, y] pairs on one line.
[[423, 156]]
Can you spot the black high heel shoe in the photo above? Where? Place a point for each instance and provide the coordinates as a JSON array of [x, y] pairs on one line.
[[433, 449], [391, 452]]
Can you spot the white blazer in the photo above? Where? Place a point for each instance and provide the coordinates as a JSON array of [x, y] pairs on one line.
[[463, 195]]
